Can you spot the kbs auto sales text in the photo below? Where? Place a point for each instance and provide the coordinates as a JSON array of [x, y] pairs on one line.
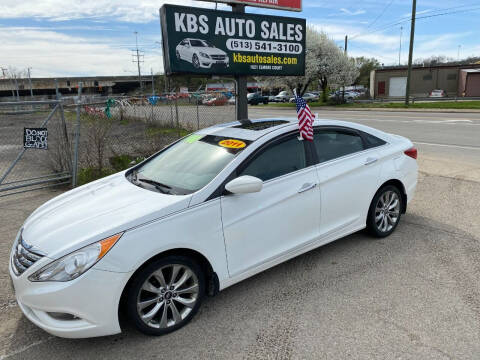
[[225, 26]]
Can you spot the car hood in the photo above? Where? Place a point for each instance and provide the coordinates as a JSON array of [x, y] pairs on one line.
[[95, 211], [210, 51]]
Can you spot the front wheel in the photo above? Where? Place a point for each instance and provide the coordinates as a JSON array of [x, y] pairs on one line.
[[165, 295], [195, 61], [385, 211]]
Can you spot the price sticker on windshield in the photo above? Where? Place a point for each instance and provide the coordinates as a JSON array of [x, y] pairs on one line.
[[232, 144]]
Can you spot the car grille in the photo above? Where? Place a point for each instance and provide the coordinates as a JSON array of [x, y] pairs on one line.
[[23, 257], [218, 57]]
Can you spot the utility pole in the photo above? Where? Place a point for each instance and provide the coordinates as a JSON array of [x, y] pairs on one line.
[[30, 82], [137, 57], [241, 80], [400, 47], [345, 52], [410, 54], [458, 53]]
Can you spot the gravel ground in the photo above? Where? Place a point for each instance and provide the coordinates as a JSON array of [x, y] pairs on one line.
[[414, 295]]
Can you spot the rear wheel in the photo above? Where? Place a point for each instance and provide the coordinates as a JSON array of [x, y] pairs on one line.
[[165, 295], [385, 211]]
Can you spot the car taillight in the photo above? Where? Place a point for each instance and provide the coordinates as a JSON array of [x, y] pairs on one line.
[[412, 152]]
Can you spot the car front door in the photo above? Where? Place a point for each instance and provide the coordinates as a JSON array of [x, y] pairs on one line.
[[284, 215], [348, 173]]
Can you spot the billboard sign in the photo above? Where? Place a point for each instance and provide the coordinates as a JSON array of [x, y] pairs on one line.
[[291, 5], [210, 42]]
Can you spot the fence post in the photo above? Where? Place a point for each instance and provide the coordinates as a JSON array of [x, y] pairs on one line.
[[171, 112], [77, 138], [198, 118], [176, 113]]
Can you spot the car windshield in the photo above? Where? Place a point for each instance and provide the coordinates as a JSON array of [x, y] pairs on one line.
[[200, 43], [188, 165]]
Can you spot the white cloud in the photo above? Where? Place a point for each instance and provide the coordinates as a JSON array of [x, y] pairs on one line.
[[138, 11], [352, 13], [51, 53]]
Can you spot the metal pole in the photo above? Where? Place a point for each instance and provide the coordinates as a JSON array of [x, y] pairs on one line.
[[30, 82], [16, 86], [400, 47], [138, 63], [410, 54], [77, 137], [198, 117], [345, 52], [241, 81]]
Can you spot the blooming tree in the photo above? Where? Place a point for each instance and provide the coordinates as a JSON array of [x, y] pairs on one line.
[[324, 62]]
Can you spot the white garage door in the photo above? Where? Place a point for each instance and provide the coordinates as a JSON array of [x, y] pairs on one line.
[[398, 87]]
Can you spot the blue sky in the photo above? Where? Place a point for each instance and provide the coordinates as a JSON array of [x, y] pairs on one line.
[[95, 37]]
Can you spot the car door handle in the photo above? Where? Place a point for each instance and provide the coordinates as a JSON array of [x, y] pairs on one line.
[[306, 187], [370, 161]]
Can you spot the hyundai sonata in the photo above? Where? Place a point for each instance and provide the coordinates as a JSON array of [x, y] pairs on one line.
[[204, 213]]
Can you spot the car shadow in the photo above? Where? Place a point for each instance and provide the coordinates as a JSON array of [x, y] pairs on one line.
[[220, 316]]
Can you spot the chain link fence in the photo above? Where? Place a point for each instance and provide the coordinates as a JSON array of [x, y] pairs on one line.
[[39, 165]]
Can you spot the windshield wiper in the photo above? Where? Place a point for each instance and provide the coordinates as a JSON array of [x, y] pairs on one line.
[[158, 185]]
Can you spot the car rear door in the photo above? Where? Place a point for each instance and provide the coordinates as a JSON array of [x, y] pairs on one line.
[[283, 216], [348, 172]]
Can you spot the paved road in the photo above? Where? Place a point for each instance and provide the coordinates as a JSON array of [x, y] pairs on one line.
[[452, 139], [414, 295]]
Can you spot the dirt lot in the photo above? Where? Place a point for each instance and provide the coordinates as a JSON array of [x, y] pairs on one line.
[[414, 295]]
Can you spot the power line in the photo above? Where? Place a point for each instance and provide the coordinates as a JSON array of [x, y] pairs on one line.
[[405, 20]]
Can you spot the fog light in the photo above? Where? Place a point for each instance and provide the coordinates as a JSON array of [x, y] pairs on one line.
[[62, 316]]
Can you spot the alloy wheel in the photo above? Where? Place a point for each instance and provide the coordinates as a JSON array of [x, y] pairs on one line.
[[196, 62], [387, 211], [168, 296]]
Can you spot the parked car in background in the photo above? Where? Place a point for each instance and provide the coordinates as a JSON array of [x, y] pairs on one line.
[[308, 97], [217, 101], [438, 94], [203, 214], [257, 98], [232, 100], [282, 96]]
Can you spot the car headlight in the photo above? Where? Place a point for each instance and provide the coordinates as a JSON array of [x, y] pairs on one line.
[[73, 265], [204, 55]]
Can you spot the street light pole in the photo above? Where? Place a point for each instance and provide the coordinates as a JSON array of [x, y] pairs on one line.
[[30, 82], [400, 47], [410, 54]]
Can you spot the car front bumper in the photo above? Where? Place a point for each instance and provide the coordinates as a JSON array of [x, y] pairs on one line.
[[89, 304], [208, 63]]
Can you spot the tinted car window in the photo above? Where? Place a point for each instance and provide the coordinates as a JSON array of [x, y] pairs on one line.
[[373, 141], [332, 144], [277, 160]]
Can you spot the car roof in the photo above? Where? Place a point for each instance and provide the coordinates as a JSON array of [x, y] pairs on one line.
[[254, 129]]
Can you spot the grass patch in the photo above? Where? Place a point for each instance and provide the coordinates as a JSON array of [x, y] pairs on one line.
[[90, 174], [156, 131]]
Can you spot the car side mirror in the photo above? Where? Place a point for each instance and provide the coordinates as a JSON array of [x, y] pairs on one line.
[[244, 185]]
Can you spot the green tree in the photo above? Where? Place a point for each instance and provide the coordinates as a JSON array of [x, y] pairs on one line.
[[365, 67]]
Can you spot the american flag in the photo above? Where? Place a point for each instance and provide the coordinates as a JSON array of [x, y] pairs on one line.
[[305, 118]]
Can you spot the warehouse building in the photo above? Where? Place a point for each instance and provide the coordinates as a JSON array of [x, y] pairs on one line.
[[455, 80]]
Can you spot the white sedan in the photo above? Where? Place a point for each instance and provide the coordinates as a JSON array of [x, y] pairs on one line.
[[204, 213]]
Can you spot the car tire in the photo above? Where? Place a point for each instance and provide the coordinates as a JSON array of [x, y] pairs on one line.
[[195, 61], [156, 309], [385, 211]]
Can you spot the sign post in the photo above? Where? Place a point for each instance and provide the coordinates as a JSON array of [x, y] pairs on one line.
[[210, 42], [241, 101]]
